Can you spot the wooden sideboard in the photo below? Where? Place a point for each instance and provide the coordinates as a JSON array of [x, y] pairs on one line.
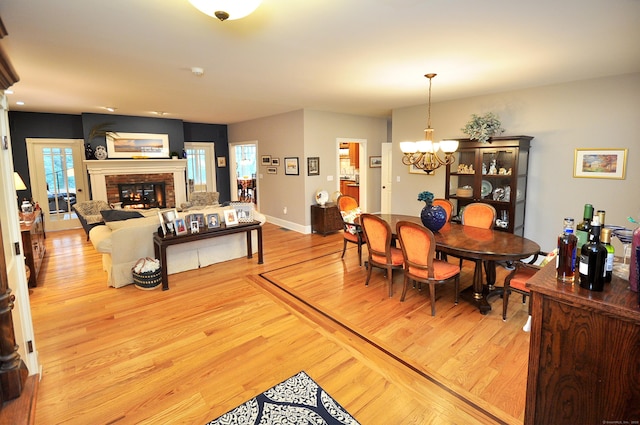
[[325, 219], [33, 236], [584, 355]]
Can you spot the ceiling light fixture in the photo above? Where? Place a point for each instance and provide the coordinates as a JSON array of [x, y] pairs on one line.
[[424, 153], [226, 9], [110, 108]]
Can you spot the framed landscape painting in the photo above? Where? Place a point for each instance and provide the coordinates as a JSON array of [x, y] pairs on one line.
[[291, 166], [138, 145], [600, 163]]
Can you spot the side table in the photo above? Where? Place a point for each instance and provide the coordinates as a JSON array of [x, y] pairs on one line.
[[32, 230], [325, 219]]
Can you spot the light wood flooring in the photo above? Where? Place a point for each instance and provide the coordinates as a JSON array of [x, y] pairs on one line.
[[224, 333]]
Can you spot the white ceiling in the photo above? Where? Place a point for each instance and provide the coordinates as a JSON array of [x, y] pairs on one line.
[[361, 57]]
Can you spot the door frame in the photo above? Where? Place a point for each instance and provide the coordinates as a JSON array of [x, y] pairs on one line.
[[233, 179], [363, 167], [39, 191]]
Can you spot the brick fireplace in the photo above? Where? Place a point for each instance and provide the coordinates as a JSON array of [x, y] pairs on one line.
[[106, 175]]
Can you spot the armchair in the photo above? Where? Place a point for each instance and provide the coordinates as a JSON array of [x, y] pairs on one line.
[[88, 213], [201, 199]]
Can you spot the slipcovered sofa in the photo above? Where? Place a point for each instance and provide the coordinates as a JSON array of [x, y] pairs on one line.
[[123, 242]]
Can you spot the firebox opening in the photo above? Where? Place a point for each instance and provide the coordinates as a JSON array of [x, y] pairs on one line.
[[142, 195]]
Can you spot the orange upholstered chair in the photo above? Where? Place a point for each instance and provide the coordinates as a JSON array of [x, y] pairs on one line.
[[517, 280], [446, 204], [349, 210], [378, 236], [480, 215], [420, 265]]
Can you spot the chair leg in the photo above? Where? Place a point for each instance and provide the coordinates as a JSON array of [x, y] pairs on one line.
[[390, 280], [505, 301], [432, 294], [344, 247], [359, 254], [366, 283], [457, 288], [406, 286]]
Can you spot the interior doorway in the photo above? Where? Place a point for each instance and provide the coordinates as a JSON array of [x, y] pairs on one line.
[[243, 158], [352, 168], [58, 179]]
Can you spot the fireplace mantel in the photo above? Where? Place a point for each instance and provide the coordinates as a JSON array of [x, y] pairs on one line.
[[98, 170]]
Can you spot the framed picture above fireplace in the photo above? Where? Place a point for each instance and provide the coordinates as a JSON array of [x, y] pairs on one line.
[[138, 145]]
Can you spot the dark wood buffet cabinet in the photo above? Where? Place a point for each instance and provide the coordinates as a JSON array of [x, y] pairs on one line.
[[584, 354], [32, 229], [325, 219]]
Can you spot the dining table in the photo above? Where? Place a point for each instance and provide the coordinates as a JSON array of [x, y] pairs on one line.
[[483, 246]]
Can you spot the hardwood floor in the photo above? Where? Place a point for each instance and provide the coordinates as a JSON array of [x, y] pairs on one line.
[[224, 333]]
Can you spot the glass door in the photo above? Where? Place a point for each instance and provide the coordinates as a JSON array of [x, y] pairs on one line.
[[201, 176], [58, 179]]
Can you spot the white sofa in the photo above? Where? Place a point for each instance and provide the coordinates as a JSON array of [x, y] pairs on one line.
[[122, 243]]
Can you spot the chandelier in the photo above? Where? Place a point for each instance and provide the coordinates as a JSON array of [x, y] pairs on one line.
[[226, 9], [424, 153]]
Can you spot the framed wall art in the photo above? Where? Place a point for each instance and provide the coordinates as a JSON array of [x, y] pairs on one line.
[[265, 160], [375, 161], [291, 166], [313, 166], [222, 161], [600, 163], [138, 145], [272, 170], [275, 162]]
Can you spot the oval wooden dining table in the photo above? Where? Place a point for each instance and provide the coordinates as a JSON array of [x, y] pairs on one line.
[[480, 245]]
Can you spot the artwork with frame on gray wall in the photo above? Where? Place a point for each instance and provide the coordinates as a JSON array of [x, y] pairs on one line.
[[313, 166]]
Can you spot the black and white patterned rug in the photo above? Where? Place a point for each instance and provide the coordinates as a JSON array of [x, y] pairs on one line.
[[298, 400]]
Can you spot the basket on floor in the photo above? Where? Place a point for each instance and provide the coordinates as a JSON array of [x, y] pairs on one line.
[[147, 280]]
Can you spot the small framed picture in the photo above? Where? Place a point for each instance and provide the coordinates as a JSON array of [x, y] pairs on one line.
[[375, 161], [291, 166], [275, 162], [195, 227], [600, 163], [213, 220], [199, 217], [244, 211], [222, 161], [230, 217], [265, 160], [180, 226], [167, 218], [272, 170], [313, 166]]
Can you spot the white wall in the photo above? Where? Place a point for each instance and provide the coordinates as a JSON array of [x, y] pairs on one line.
[[302, 134], [600, 113]]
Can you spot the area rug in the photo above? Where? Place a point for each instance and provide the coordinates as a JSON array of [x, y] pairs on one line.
[[298, 400]]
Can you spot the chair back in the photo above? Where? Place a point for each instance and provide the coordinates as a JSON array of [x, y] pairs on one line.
[[347, 203], [480, 215], [418, 246], [377, 233], [446, 204]]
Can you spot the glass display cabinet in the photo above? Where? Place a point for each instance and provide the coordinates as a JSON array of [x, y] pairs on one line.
[[494, 173]]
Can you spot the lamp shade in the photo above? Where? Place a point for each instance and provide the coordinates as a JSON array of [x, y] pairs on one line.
[[18, 182], [226, 9]]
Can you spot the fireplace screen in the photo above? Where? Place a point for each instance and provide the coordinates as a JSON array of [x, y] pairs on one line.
[[142, 195]]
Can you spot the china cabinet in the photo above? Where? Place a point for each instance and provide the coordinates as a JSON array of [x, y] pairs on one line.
[[494, 173]]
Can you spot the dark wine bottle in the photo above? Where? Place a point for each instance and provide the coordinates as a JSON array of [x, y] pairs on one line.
[[566, 258], [593, 257], [583, 228]]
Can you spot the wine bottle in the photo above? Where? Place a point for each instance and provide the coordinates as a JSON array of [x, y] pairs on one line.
[[583, 229], [567, 248], [605, 237], [593, 257]]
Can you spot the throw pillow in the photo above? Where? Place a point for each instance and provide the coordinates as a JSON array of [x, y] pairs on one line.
[[118, 215]]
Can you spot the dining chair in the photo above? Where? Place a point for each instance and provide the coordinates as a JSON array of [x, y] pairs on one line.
[[382, 254], [479, 214], [516, 281], [448, 209], [349, 211], [418, 247]]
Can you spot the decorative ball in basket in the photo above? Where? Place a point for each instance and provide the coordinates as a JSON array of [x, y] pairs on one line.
[[146, 273]]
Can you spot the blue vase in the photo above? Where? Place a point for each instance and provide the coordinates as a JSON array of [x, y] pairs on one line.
[[434, 217]]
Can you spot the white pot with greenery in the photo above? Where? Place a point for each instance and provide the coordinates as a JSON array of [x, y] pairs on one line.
[[482, 128]]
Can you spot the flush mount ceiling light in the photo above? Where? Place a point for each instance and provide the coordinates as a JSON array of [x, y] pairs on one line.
[[226, 9], [424, 153]]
